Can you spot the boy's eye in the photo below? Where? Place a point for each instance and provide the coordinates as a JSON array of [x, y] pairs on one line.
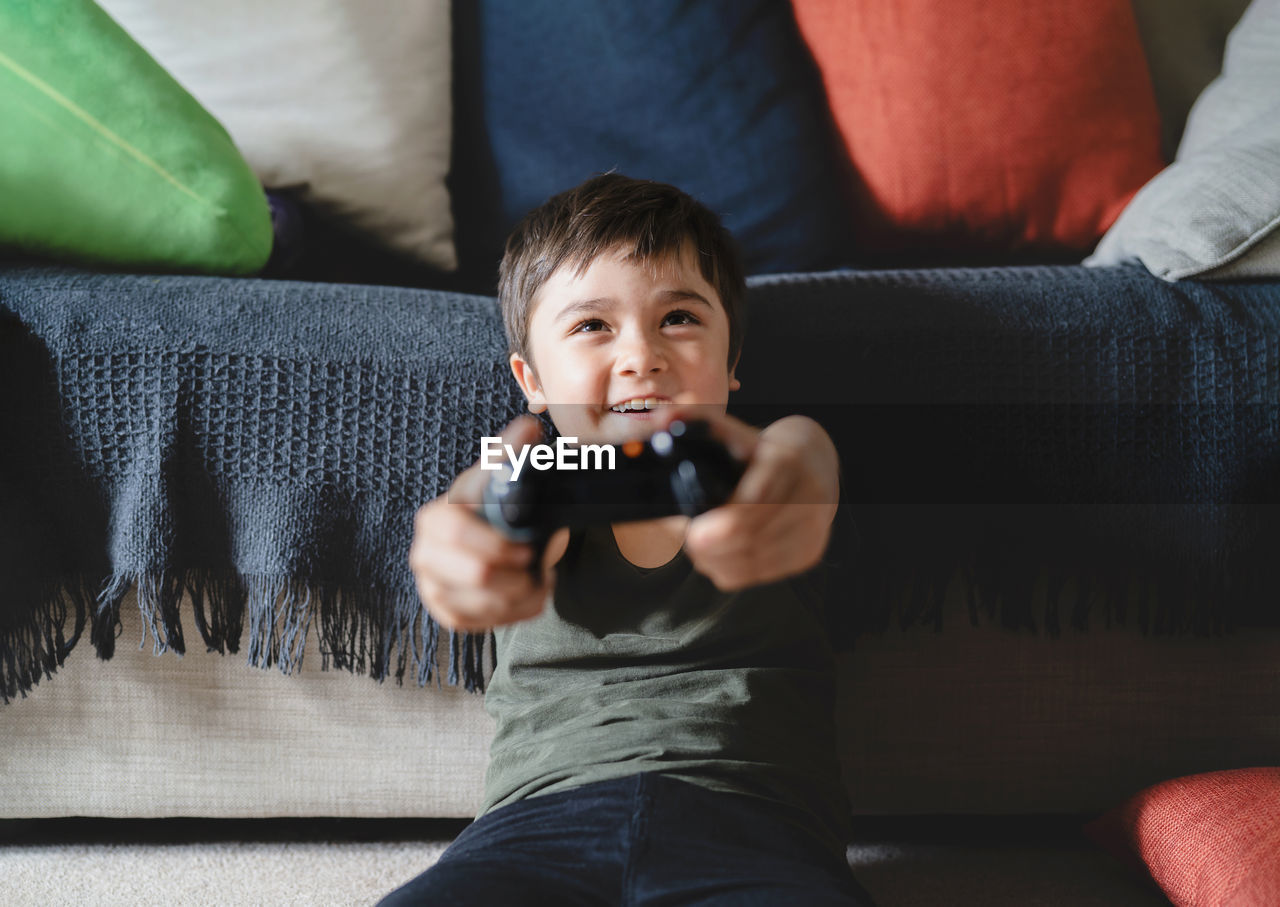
[[590, 326], [680, 316]]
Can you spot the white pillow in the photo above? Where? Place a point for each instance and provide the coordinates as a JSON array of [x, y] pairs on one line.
[[348, 100], [1214, 212]]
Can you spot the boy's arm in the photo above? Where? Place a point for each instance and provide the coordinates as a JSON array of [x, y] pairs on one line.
[[778, 522]]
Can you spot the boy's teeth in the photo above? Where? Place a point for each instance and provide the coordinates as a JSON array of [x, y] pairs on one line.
[[638, 403]]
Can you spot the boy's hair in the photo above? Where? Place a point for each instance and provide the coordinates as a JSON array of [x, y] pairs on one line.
[[651, 220]]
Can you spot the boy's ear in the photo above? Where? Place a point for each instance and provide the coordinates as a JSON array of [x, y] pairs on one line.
[[528, 381], [734, 383]]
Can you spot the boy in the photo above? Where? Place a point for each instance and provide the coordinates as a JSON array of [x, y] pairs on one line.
[[664, 691]]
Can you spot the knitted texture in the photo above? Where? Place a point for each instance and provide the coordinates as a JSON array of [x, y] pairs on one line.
[[1066, 443], [259, 446], [1097, 437]]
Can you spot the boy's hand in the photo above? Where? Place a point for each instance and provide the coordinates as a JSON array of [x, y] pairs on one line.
[[469, 576], [778, 521]]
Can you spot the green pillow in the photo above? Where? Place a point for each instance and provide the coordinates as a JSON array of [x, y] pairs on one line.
[[105, 158]]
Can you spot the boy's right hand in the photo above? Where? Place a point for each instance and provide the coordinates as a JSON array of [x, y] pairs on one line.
[[470, 576]]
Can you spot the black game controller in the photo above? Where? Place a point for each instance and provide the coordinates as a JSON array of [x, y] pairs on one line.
[[682, 470]]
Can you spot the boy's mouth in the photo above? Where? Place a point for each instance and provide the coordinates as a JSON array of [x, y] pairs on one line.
[[638, 406]]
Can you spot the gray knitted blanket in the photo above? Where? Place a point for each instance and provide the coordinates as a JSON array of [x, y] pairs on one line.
[[258, 448]]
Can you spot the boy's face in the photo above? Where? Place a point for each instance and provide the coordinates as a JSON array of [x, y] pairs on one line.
[[625, 331]]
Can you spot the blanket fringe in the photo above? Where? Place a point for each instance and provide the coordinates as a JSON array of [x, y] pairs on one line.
[[36, 647], [363, 629], [383, 632], [880, 591]]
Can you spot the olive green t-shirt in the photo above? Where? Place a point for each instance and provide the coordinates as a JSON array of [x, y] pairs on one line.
[[632, 669]]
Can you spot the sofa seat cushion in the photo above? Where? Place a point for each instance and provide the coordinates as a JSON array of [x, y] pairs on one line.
[[147, 736], [966, 719], [970, 720]]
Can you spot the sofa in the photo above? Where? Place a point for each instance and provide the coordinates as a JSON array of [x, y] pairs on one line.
[[1054, 584]]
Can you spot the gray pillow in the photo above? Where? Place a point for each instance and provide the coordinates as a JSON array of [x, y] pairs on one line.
[[1213, 212]]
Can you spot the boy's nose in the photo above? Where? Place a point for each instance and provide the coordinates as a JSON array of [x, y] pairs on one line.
[[639, 356]]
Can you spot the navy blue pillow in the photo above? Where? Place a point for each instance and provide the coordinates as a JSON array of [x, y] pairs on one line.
[[718, 97]]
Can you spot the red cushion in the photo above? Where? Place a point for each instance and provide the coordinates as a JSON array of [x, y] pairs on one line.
[[1210, 839], [988, 124]]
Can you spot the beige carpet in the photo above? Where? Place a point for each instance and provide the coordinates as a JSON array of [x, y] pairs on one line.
[[226, 873]]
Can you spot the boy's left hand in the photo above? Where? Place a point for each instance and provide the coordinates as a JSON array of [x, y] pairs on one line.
[[778, 521]]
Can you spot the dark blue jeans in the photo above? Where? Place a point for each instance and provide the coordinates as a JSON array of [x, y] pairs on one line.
[[646, 840]]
